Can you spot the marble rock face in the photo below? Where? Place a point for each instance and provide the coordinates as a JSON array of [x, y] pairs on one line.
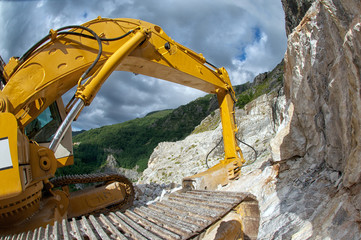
[[307, 177], [322, 85], [322, 121]]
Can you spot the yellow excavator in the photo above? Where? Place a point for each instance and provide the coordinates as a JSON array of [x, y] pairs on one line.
[[35, 140]]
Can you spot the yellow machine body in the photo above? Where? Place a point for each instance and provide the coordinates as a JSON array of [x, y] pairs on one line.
[[10, 172], [30, 101]]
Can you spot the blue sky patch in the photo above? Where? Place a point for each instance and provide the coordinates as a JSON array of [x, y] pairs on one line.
[[242, 57], [257, 34]]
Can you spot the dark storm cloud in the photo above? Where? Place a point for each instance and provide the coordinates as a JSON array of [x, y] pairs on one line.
[[247, 37]]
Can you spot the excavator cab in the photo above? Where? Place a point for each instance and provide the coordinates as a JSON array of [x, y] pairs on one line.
[[43, 128]]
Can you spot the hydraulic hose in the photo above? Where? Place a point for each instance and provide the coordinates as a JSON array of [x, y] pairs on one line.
[[255, 152], [92, 36], [219, 142], [100, 47], [102, 39], [210, 64], [58, 31], [2, 79]]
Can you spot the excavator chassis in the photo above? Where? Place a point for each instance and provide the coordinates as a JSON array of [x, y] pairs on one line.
[[194, 214]]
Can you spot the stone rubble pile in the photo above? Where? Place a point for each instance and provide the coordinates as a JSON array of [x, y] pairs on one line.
[[146, 194]]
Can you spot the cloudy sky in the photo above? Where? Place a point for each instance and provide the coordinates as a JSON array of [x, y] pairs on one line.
[[247, 37]]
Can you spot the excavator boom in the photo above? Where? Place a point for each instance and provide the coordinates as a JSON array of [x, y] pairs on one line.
[[38, 138]]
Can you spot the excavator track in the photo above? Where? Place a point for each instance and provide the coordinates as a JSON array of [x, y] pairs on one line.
[[184, 215], [100, 178]]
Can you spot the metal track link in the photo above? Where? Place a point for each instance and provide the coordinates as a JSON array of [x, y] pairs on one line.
[[183, 215], [100, 178], [86, 178]]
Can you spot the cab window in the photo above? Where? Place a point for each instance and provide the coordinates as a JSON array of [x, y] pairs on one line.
[[43, 128]]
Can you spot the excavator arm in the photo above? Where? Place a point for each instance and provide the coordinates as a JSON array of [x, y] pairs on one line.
[[86, 55]]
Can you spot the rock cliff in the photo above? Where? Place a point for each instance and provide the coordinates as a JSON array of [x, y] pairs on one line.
[[307, 177], [111, 165], [294, 12], [322, 86]]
